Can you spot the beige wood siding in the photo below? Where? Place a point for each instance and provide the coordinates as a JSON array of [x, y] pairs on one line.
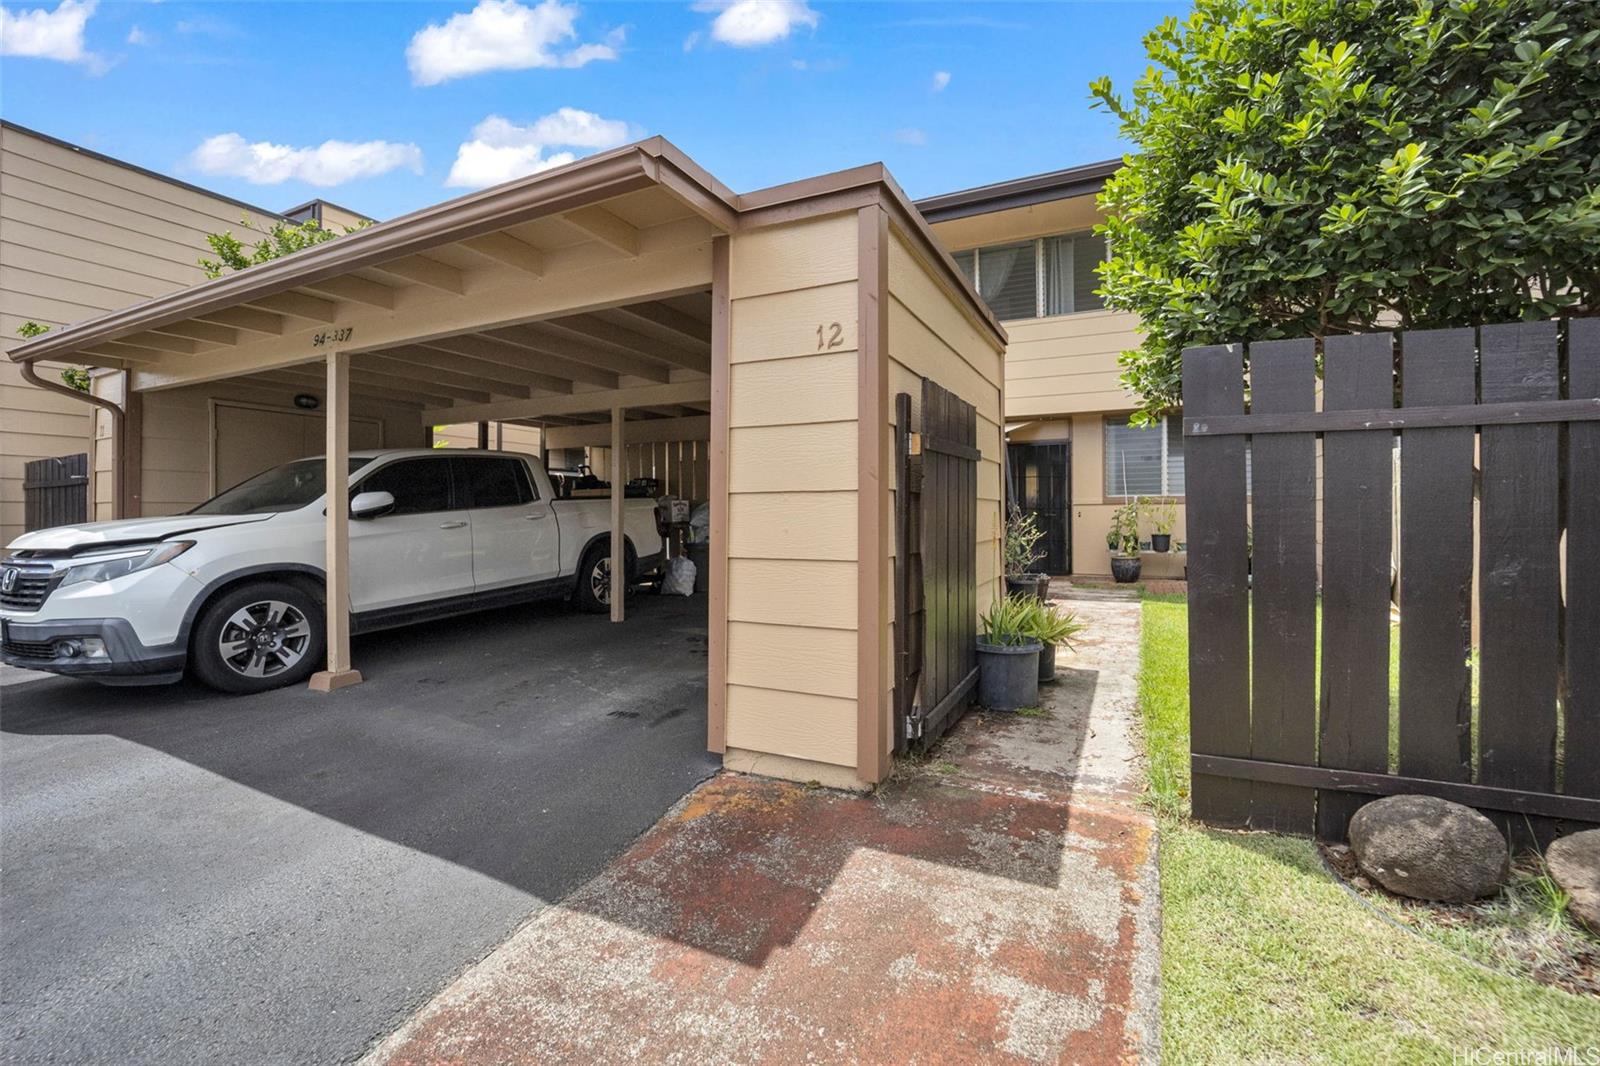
[[929, 336], [79, 236], [792, 479]]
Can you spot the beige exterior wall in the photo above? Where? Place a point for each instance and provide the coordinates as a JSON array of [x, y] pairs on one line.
[[79, 236], [929, 336], [792, 501], [1063, 380]]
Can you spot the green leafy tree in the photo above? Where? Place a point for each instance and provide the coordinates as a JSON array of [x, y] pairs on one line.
[[1313, 167], [75, 376], [272, 242]]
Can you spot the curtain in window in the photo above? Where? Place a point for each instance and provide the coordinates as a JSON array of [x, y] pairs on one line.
[[1174, 426], [1069, 274], [1007, 279]]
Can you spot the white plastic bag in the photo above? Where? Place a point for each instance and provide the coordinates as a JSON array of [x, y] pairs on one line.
[[700, 524], [680, 578]]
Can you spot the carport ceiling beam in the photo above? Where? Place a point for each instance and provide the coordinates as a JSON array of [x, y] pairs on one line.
[[434, 354], [425, 271], [129, 353], [577, 403], [655, 431], [165, 343], [359, 290], [538, 341], [305, 381], [603, 226], [592, 328], [669, 319], [300, 305], [506, 249], [437, 376], [246, 318], [546, 365], [199, 331]]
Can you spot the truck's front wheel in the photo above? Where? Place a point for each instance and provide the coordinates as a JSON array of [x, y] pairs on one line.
[[594, 579], [257, 637]]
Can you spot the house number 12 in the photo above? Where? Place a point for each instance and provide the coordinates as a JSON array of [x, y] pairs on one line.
[[830, 336]]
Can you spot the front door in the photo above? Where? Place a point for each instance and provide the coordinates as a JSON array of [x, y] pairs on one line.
[[1041, 485], [421, 550]]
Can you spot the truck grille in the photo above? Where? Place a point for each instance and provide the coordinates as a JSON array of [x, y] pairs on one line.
[[24, 585]]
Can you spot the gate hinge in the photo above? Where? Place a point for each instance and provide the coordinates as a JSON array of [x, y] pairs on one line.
[[913, 725]]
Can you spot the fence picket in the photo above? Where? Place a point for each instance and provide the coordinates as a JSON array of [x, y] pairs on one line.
[[1283, 629], [1219, 605], [1582, 689], [1436, 475], [1357, 523]]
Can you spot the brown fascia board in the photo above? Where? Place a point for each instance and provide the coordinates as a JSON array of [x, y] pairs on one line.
[[1019, 192], [125, 165]]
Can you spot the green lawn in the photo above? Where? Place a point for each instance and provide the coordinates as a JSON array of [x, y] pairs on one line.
[[1267, 959]]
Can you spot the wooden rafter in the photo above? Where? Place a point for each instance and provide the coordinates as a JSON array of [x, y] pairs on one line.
[[668, 318], [439, 378], [506, 249], [430, 355], [605, 227], [300, 305], [200, 331], [359, 290], [425, 271], [584, 402], [537, 339], [247, 318], [547, 363]]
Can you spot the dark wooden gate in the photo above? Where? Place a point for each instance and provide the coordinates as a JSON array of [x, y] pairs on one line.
[[936, 576], [55, 492], [1281, 743]]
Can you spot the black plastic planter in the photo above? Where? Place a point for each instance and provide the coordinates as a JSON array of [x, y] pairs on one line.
[[1047, 662], [1161, 542], [1125, 568], [1008, 675], [1027, 585]]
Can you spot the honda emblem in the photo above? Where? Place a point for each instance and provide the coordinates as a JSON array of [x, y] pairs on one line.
[[8, 580]]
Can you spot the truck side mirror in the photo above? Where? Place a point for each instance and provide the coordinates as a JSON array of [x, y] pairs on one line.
[[371, 504]]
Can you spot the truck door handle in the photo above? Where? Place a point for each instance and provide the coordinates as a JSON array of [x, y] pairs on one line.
[[533, 517], [451, 525]]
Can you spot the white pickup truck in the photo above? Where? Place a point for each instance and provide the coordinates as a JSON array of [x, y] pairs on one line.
[[233, 590]]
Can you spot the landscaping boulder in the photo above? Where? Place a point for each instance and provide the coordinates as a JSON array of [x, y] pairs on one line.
[[1574, 864], [1428, 848]]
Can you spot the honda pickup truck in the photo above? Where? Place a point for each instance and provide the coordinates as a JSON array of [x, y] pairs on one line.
[[232, 591]]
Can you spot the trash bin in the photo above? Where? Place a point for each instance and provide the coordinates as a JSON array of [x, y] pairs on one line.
[[700, 556]]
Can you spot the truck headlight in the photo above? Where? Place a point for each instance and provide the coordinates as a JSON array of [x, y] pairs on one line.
[[119, 562]]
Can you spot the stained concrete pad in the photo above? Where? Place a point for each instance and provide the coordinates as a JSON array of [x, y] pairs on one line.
[[995, 902]]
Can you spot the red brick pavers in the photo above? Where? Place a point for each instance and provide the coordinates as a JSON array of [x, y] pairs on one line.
[[991, 904]]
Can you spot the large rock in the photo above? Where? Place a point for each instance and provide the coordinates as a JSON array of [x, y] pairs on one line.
[[1429, 848], [1574, 864]]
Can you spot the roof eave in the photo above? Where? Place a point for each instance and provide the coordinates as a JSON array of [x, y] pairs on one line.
[[1083, 180]]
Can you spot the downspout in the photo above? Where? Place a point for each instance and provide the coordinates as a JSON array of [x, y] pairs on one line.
[[118, 501]]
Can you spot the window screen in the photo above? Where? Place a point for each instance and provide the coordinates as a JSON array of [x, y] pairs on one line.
[[1174, 456], [1133, 460], [418, 486], [1008, 278], [1069, 274], [493, 482]]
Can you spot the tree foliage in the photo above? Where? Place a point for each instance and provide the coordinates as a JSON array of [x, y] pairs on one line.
[[1311, 167], [279, 239], [75, 376]]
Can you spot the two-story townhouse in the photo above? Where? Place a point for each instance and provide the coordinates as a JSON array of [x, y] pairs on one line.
[[1029, 247]]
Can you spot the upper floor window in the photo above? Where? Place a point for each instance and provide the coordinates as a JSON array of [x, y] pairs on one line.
[[1144, 462], [1034, 278]]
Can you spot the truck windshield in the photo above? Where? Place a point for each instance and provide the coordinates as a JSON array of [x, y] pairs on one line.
[[283, 488]]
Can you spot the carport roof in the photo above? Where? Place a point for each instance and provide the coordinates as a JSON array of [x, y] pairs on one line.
[[260, 298]]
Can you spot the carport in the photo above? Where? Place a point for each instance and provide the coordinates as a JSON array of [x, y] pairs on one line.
[[626, 300]]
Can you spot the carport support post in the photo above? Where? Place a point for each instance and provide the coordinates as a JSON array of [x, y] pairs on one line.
[[339, 672], [619, 573]]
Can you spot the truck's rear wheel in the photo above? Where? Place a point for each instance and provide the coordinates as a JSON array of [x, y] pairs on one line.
[[257, 637], [594, 579]]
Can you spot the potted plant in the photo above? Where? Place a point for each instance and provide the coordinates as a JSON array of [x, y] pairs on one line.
[[1163, 517], [1021, 552], [1054, 628], [1123, 540], [1008, 657]]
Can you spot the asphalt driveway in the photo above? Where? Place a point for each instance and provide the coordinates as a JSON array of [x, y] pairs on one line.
[[187, 877]]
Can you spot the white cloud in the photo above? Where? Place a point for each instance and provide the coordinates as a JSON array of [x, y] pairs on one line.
[[138, 36], [329, 163], [910, 135], [752, 23], [41, 34], [501, 150], [941, 79], [503, 35]]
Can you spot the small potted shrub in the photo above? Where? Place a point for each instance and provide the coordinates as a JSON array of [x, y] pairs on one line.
[[1022, 551], [1054, 628], [1008, 657], [1123, 540], [1163, 517]]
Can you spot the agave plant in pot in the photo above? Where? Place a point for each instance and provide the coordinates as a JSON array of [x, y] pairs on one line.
[[1008, 657], [1054, 628], [1022, 551], [1123, 540]]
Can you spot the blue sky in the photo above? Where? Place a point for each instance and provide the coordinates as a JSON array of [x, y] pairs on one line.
[[423, 101]]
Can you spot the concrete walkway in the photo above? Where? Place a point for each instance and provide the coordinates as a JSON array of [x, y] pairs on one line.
[[995, 902]]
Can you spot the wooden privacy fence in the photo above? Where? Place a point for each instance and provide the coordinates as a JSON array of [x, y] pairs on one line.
[[55, 492], [936, 573], [1498, 434]]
